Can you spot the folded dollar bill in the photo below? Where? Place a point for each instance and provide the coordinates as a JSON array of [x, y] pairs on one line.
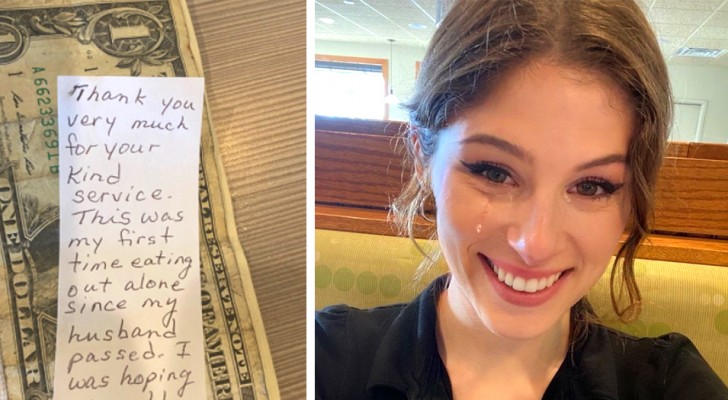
[[142, 38]]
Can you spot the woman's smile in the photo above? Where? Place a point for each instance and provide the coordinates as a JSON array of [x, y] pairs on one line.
[[521, 286]]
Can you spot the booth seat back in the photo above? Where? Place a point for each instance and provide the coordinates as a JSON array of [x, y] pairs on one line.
[[364, 270]]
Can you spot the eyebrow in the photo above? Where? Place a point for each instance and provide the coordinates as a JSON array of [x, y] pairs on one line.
[[508, 147], [517, 151], [610, 159]]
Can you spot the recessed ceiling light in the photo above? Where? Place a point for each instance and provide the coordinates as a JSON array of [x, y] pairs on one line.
[[417, 25], [327, 20], [699, 52], [349, 2]]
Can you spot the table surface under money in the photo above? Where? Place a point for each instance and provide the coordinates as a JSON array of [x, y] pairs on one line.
[[253, 56]]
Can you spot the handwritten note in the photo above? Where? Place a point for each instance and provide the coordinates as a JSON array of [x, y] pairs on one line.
[[129, 315]]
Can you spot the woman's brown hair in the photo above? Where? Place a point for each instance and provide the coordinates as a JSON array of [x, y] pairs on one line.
[[479, 40]]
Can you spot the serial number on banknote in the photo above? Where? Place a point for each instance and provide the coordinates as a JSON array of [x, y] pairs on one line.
[[44, 100]]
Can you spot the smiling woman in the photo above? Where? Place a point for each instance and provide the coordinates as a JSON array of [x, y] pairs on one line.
[[537, 129], [551, 167]]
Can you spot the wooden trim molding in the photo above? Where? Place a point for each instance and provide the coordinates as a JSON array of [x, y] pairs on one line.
[[655, 247]]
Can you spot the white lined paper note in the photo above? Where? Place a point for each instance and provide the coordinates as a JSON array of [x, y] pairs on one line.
[[129, 315]]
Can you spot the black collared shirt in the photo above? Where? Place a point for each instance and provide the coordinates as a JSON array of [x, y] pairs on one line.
[[391, 353]]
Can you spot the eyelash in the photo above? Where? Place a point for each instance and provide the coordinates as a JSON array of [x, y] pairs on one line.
[[482, 168], [608, 187]]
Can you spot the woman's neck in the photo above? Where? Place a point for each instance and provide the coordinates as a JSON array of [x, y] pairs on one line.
[[479, 361]]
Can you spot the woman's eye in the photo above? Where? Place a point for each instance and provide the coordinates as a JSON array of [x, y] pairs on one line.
[[491, 172], [588, 189], [596, 188], [496, 175]]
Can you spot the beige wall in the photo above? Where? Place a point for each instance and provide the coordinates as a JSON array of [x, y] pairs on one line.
[[706, 84], [709, 84]]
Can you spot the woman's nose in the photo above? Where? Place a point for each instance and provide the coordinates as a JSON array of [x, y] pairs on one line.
[[536, 231]]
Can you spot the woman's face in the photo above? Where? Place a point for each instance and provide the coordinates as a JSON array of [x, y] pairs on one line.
[[531, 189]]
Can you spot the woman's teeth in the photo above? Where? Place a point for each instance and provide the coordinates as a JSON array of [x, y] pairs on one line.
[[525, 285]]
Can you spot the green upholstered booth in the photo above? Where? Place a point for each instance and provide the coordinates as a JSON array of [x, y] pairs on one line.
[[366, 270]]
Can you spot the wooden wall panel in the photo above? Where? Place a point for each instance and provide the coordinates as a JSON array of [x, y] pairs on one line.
[[358, 173], [357, 169], [692, 197], [711, 151]]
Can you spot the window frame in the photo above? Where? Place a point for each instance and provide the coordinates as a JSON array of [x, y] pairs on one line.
[[383, 62]]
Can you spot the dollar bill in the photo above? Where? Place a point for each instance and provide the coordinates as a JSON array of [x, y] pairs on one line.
[[137, 38]]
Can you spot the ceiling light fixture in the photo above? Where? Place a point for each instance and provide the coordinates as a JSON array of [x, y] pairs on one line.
[[391, 98], [349, 2], [417, 25], [327, 20], [699, 52]]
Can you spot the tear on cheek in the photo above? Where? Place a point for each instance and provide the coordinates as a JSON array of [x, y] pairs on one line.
[[484, 214], [485, 208]]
